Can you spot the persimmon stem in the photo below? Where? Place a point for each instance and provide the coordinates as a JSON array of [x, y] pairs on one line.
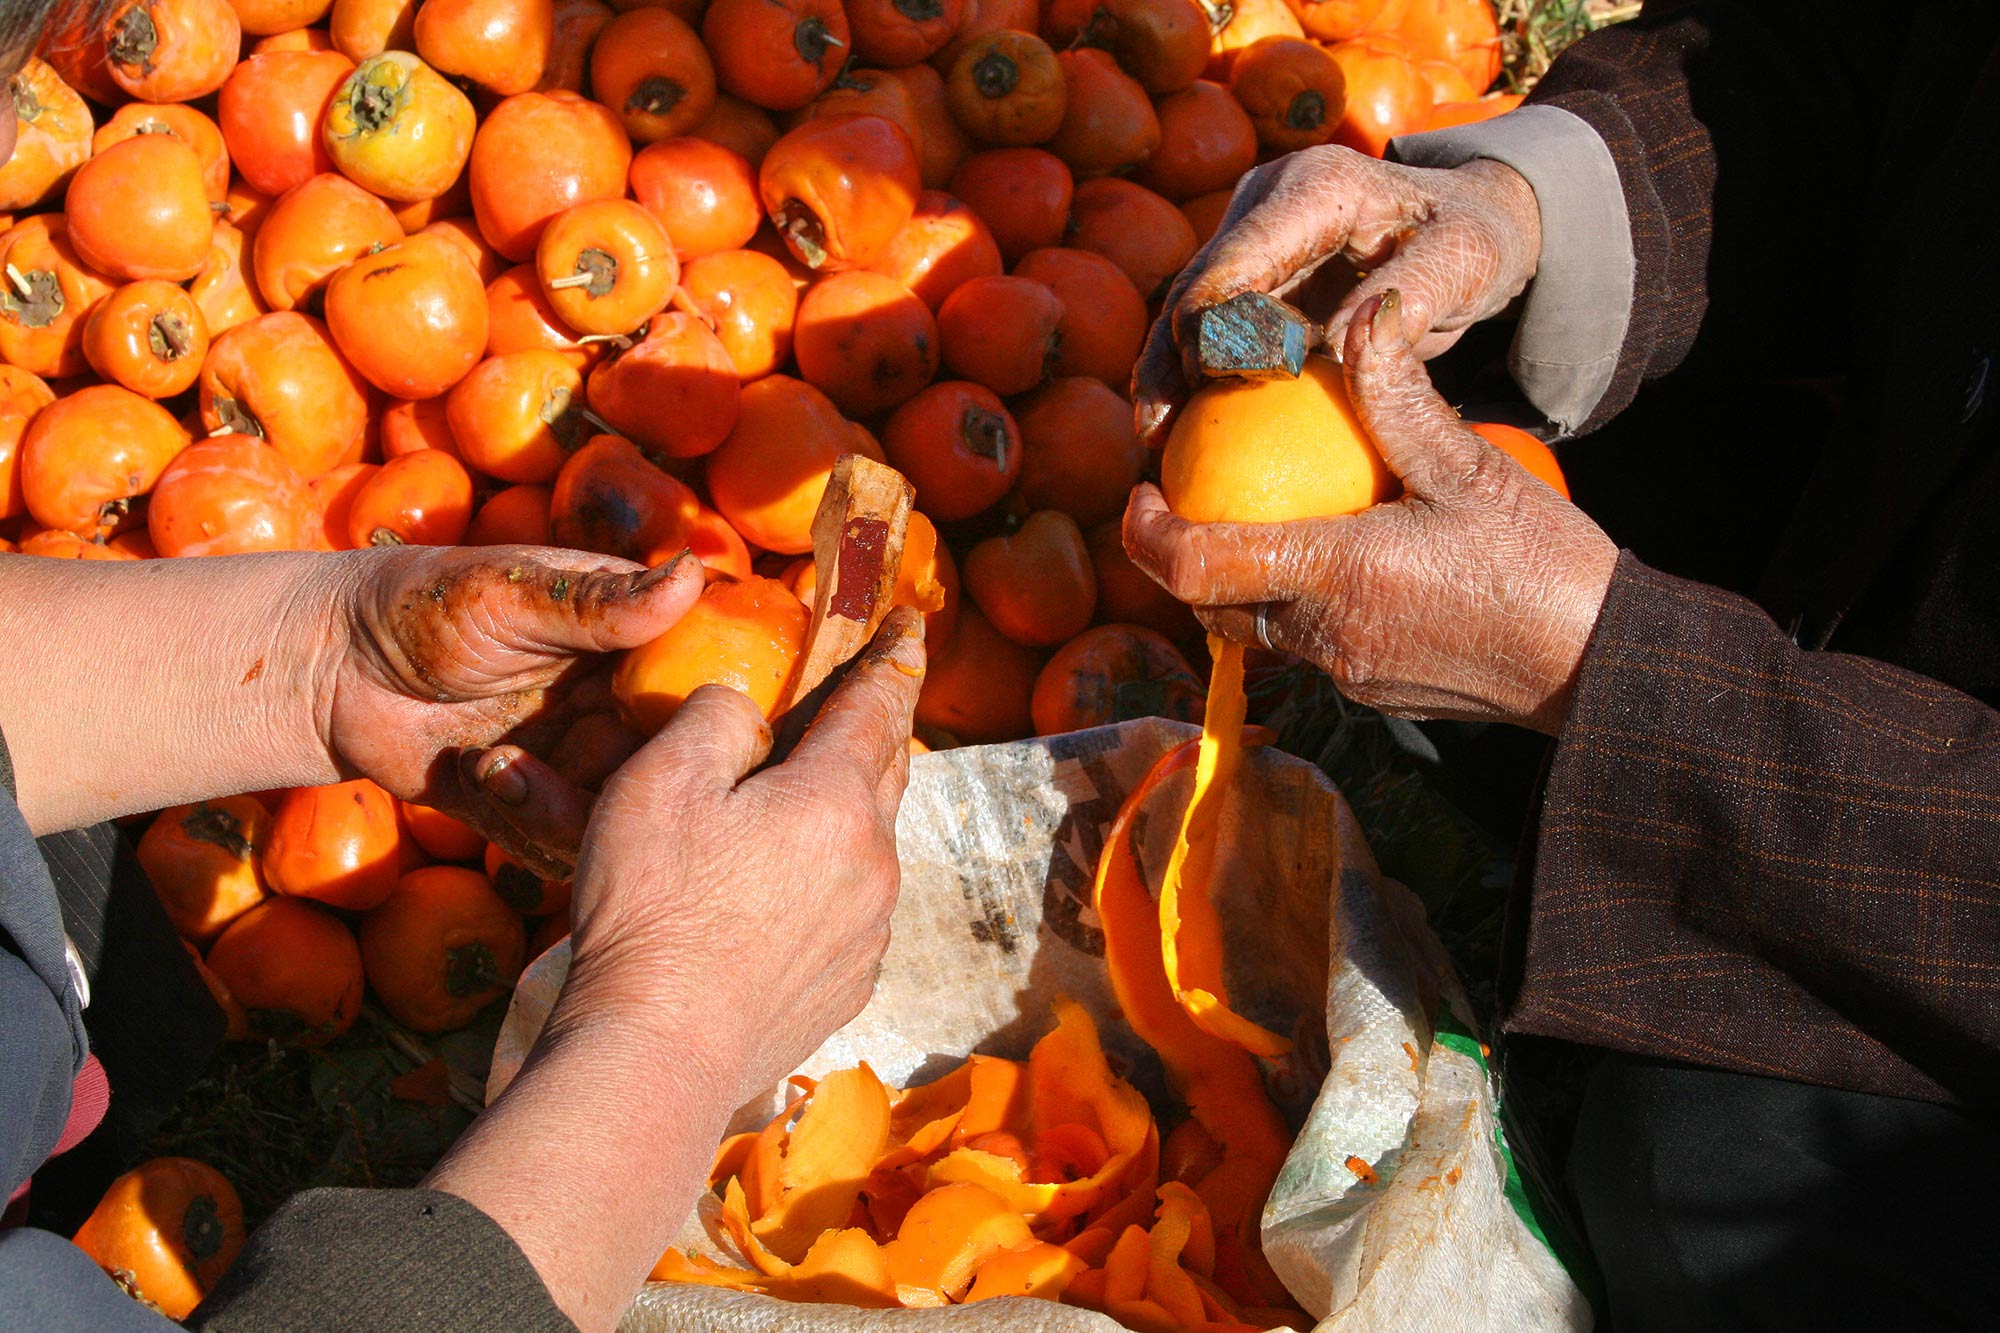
[[573, 280], [15, 276]]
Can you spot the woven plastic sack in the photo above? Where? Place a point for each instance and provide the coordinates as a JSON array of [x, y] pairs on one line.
[[1390, 1214]]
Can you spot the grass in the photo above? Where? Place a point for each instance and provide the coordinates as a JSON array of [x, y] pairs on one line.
[[1535, 32]]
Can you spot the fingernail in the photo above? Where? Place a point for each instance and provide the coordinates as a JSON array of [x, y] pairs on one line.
[[500, 780], [1385, 326], [661, 573]]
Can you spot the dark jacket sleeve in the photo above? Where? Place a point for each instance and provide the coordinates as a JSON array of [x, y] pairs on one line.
[[364, 1260], [1767, 860]]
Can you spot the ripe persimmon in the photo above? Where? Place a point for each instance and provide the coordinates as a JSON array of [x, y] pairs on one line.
[[229, 495], [410, 424], [171, 50], [839, 188], [704, 194], [338, 844], [517, 415], [1021, 194], [1525, 449], [295, 969], [167, 1229], [148, 336], [1104, 319], [1386, 96], [1007, 89], [140, 209], [359, 29], [22, 395], [892, 33], [943, 245], [1001, 332], [87, 455], [1206, 143], [651, 68], [441, 948], [1339, 20], [769, 475], [1164, 44], [419, 499], [265, 18], [516, 516], [270, 111], [777, 54], [983, 17], [1080, 452], [292, 39], [750, 302], [1140, 231], [279, 376], [1115, 673], [612, 499], [223, 287], [1126, 594], [519, 318], [979, 687], [537, 154], [185, 123], [1244, 23], [333, 495], [312, 232], [958, 446], [56, 544], [674, 391], [578, 25], [398, 128], [201, 860], [745, 634], [501, 45], [1109, 124], [463, 233], [865, 341], [870, 92], [942, 145], [410, 318], [739, 126], [52, 137], [1446, 82], [607, 265], [1036, 584], [1292, 90], [1464, 33], [438, 834]]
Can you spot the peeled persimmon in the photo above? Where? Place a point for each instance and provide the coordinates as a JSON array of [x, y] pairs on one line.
[[441, 947], [1339, 20], [1002, 332], [1021, 194], [748, 299], [864, 341], [230, 495], [945, 243], [1035, 585], [1115, 673], [1080, 452], [839, 188], [1525, 449], [703, 193], [958, 446], [295, 969], [675, 391], [1463, 32], [747, 635], [410, 318], [1104, 319], [769, 475]]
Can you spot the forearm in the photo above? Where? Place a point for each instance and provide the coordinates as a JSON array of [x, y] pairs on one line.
[[133, 686]]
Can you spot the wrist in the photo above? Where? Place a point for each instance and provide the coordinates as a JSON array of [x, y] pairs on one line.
[[1512, 202], [1572, 607]]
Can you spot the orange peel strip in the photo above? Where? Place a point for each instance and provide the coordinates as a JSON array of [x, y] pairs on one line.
[[843, 1267], [1040, 1269], [832, 1150]]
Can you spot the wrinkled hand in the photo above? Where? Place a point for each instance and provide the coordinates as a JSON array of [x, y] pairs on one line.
[[437, 653], [1457, 244], [1473, 596]]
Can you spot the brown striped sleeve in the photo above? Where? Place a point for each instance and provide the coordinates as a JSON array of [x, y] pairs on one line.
[[1767, 860]]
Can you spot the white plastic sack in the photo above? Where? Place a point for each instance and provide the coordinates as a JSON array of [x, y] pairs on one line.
[[999, 847]]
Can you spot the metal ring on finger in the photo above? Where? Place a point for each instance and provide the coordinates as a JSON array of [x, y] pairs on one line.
[[1264, 627]]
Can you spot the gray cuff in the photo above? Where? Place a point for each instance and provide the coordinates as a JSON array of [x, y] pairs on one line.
[[1574, 317]]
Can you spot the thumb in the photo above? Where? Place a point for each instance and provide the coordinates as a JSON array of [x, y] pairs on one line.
[[1417, 433], [604, 610], [714, 738], [861, 737]]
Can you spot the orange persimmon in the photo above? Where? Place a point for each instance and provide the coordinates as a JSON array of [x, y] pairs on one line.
[[398, 128], [1109, 124], [611, 499], [958, 445], [1292, 90], [148, 336], [1007, 89], [418, 499], [703, 193], [1002, 332], [1080, 452], [295, 969], [228, 495], [185, 123], [201, 860], [517, 415], [1022, 195], [1386, 95], [777, 54], [312, 232], [944, 244], [166, 1230], [1115, 673], [516, 516], [750, 302], [410, 318], [441, 947], [87, 455], [52, 137], [607, 265], [979, 687], [171, 50], [769, 475], [501, 45], [865, 341], [1206, 143], [839, 188], [675, 391], [745, 634], [651, 68], [1104, 319], [140, 209], [339, 844], [1140, 231], [1035, 585], [279, 376], [537, 154]]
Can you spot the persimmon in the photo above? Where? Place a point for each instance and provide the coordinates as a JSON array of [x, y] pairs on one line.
[[864, 341], [279, 376], [650, 67], [777, 54], [1446, 82], [674, 392], [1128, 595], [416, 214], [56, 544], [1463, 33], [769, 475], [1007, 89], [1525, 449], [718, 546], [1292, 90], [943, 245], [519, 318], [1339, 20], [73, 42], [295, 969], [1115, 673], [411, 319], [738, 126], [516, 516], [140, 209], [607, 266], [979, 687], [1035, 585], [420, 499], [166, 1230], [52, 137], [941, 145], [745, 634], [441, 948], [521, 888], [312, 232], [410, 424], [363, 28], [22, 395], [1104, 319], [1386, 96], [201, 860], [983, 17], [892, 33], [1080, 452], [1162, 43], [247, 207], [517, 415], [223, 288], [1447, 114], [185, 123], [749, 301], [171, 50], [338, 844], [612, 499], [1109, 124], [1241, 24], [839, 188], [293, 39], [871, 92], [263, 18], [928, 580], [578, 24], [537, 154], [333, 495], [87, 455], [1272, 450], [1022, 194], [959, 447], [148, 336], [1206, 143], [501, 45], [398, 129], [270, 111], [704, 194], [229, 495], [1133, 227], [1001, 332]]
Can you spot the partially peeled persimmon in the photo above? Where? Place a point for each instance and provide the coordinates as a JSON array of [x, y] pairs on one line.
[[746, 634]]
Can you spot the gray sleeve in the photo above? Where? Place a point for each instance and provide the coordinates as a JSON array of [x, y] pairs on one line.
[[48, 1283], [1574, 316]]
